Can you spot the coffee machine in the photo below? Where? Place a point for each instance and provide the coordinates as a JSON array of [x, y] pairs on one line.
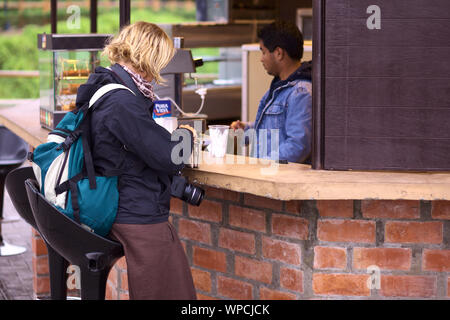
[[172, 89]]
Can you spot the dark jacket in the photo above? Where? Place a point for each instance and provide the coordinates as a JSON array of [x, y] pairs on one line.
[[127, 142]]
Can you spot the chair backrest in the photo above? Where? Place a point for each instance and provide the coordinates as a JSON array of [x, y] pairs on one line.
[[64, 235], [15, 184], [13, 150]]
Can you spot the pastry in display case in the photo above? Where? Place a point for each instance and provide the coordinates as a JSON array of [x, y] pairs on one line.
[[65, 62]]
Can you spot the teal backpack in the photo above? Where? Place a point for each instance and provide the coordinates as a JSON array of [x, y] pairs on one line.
[[65, 171]]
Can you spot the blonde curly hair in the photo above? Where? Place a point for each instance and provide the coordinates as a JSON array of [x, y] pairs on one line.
[[144, 45]]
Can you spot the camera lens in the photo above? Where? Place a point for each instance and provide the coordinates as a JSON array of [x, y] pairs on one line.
[[193, 195], [185, 191]]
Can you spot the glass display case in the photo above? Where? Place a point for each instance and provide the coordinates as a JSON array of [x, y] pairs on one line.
[[65, 62]]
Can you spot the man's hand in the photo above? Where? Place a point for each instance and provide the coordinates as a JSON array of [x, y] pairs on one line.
[[238, 125], [186, 126]]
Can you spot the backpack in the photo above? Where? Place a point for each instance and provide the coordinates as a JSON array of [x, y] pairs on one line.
[[65, 171]]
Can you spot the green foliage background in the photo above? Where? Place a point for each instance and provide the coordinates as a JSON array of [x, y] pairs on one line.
[[18, 49]]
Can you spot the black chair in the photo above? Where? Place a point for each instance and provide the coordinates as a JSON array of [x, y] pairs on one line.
[[15, 184], [13, 153], [93, 254]]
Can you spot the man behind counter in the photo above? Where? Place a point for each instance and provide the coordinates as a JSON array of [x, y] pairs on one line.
[[285, 109]]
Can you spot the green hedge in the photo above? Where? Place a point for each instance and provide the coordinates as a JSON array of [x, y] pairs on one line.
[[18, 50]]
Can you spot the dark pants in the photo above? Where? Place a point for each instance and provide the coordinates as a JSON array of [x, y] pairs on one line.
[[156, 262]]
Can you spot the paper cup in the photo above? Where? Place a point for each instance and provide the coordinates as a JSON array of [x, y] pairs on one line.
[[169, 123]]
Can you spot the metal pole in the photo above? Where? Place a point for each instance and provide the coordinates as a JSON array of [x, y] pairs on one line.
[[317, 154], [53, 15], [178, 43], [5, 10], [7, 249], [124, 13], [93, 14]]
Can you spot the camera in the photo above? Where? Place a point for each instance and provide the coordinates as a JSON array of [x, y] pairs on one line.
[[185, 191]]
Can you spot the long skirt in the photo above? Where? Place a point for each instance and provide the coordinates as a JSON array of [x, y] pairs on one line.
[[157, 265]]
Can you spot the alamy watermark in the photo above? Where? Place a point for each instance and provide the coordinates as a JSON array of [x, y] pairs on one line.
[[261, 152], [74, 278], [374, 20], [74, 19], [374, 281]]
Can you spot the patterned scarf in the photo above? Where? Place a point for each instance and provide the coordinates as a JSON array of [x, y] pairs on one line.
[[143, 85]]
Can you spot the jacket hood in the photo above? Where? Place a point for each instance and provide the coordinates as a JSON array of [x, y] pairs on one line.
[[101, 77], [304, 72]]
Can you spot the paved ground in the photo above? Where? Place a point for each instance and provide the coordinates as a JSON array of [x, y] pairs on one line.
[[16, 277]]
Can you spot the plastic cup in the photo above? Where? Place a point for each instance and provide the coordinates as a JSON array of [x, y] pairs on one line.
[[196, 153], [218, 135]]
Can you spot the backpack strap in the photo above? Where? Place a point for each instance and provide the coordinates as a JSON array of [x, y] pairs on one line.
[[75, 206], [105, 89], [65, 186], [71, 185], [85, 126]]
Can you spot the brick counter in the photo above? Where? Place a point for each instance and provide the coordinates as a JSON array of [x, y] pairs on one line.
[[242, 246]]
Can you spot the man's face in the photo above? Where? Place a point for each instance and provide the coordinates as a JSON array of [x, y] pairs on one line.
[[268, 60]]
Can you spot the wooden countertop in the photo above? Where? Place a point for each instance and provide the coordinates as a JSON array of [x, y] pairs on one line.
[[299, 182], [22, 118], [284, 181]]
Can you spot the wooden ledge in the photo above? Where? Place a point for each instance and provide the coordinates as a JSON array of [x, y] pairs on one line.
[[300, 182]]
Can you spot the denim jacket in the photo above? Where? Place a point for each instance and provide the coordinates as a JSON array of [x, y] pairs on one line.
[[286, 114]]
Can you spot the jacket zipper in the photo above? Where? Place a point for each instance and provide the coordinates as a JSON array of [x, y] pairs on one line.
[[271, 100]]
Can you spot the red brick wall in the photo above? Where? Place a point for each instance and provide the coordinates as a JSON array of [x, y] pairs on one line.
[[41, 278], [41, 275], [242, 246]]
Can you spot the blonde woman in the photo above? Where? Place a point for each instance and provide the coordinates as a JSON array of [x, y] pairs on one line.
[[126, 142]]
